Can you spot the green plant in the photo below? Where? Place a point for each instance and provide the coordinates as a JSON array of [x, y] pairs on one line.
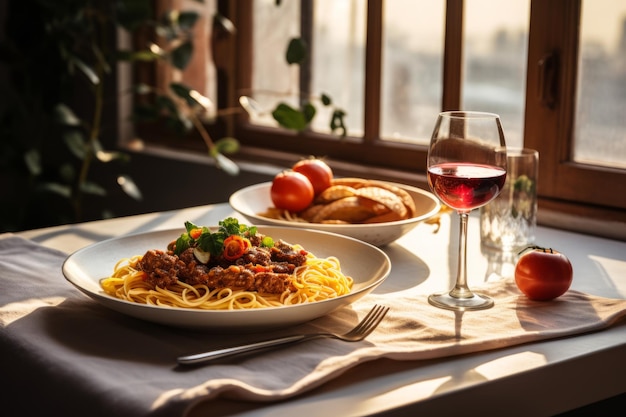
[[57, 65], [287, 116], [180, 107], [55, 61], [300, 118]]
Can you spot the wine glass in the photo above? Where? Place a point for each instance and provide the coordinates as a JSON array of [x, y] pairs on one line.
[[466, 170]]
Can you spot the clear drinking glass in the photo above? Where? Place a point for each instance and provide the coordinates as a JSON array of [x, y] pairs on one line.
[[466, 170], [508, 223]]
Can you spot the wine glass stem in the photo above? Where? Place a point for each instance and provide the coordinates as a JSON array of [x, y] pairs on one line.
[[461, 290]]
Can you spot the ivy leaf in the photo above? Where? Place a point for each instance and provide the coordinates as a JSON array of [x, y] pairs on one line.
[[227, 145], [75, 142], [55, 188], [168, 25], [289, 118], [326, 100], [308, 110], [90, 187], [66, 116], [296, 51], [85, 69], [186, 123], [182, 55], [129, 187], [200, 100], [109, 156], [166, 104], [222, 23], [187, 20], [183, 92], [226, 164], [165, 31], [32, 159], [142, 88], [337, 122]]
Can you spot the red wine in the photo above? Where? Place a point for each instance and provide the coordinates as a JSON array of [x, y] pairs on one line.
[[465, 186]]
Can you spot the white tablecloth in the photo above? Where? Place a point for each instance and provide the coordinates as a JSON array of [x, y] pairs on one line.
[[87, 359]]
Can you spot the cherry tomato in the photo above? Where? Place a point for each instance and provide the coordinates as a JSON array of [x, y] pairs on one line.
[[235, 247], [317, 171], [291, 191], [543, 274]]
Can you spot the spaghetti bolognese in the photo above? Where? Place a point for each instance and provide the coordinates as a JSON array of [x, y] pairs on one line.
[[234, 267]]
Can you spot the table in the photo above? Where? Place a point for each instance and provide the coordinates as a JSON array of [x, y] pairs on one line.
[[541, 378]]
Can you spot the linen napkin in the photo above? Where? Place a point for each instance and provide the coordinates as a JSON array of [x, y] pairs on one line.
[[79, 357]]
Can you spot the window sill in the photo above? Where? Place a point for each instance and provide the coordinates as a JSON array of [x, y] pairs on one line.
[[594, 221]]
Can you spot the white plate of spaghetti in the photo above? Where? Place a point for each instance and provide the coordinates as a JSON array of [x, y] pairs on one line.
[[362, 267]]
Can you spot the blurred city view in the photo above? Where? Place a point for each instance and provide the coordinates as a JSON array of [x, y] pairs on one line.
[[600, 136]]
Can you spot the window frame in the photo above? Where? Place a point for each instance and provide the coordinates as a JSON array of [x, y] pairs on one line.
[[578, 188]]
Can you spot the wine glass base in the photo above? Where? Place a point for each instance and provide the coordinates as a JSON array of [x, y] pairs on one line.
[[474, 302]]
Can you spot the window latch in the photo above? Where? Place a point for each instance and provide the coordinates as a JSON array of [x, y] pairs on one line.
[[547, 85]]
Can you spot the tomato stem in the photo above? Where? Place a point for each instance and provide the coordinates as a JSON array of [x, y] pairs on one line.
[[535, 247]]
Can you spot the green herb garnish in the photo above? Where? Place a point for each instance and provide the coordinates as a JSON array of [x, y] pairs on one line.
[[213, 242]]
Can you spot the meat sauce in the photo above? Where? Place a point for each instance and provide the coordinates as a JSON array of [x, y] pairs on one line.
[[261, 269]]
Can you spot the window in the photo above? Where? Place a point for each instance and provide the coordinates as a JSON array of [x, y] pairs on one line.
[[553, 69]]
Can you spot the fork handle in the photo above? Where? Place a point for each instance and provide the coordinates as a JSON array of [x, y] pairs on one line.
[[231, 351]]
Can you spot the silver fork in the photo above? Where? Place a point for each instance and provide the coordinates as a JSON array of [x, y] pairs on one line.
[[359, 332]]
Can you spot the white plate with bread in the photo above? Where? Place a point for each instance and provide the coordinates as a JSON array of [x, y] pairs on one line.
[[376, 212]]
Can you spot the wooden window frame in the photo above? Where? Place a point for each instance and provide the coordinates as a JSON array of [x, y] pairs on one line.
[[588, 192]]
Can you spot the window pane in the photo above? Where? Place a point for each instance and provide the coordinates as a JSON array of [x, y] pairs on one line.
[[495, 56], [200, 73], [600, 136], [273, 80], [413, 41], [339, 60]]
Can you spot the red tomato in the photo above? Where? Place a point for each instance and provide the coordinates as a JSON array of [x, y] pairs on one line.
[[543, 274], [317, 171], [235, 247], [291, 191]]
